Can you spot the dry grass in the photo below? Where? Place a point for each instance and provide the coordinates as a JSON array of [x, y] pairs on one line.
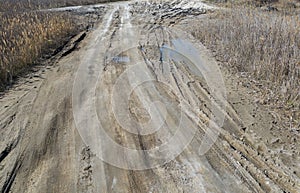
[[284, 6], [255, 2], [264, 45], [24, 37]]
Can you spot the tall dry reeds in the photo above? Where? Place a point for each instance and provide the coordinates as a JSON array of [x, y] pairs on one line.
[[24, 37], [264, 45]]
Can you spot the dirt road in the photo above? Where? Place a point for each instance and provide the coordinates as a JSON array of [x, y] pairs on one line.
[[139, 106]]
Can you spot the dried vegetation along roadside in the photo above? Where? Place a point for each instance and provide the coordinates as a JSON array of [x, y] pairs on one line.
[[262, 46], [287, 6], [25, 37]]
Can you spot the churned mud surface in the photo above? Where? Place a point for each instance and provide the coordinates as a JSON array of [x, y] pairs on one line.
[[42, 148]]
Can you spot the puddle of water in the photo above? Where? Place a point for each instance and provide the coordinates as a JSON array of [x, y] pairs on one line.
[[121, 59]]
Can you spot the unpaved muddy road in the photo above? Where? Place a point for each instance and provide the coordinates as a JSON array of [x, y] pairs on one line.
[[127, 111]]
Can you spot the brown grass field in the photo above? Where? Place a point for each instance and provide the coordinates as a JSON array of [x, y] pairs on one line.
[[263, 45], [25, 37]]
